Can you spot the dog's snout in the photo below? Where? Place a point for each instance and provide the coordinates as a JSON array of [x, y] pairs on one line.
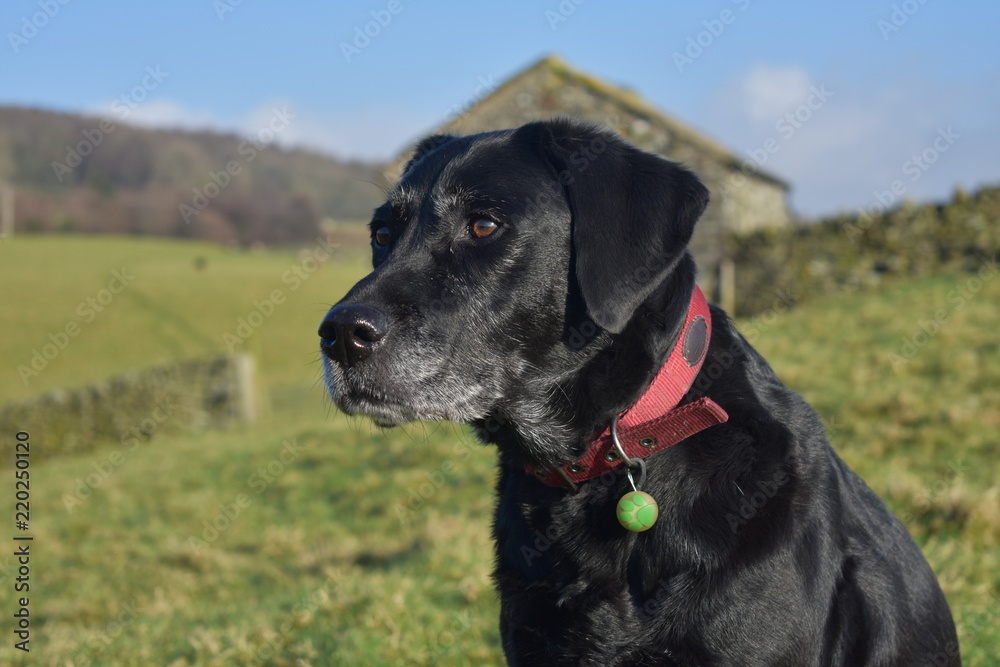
[[350, 333]]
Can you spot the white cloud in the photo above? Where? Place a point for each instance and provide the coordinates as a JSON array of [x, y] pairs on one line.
[[838, 154], [365, 134], [160, 113], [168, 114], [769, 92]]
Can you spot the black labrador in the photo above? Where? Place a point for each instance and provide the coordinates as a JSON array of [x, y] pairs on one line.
[[531, 283]]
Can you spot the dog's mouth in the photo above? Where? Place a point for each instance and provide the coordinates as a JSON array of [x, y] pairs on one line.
[[386, 411], [391, 404]]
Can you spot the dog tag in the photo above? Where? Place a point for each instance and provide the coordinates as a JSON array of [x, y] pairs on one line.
[[637, 511]]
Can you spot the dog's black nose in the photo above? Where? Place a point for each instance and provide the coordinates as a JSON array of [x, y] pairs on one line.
[[350, 333]]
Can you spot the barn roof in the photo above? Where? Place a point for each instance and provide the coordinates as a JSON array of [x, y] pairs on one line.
[[465, 122]]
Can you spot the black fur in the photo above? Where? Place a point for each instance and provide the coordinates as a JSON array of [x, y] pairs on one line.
[[768, 551]]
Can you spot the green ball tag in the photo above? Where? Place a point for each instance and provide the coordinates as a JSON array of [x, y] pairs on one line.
[[637, 511]]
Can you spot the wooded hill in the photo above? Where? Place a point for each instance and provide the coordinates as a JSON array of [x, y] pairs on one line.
[[87, 174], [74, 173]]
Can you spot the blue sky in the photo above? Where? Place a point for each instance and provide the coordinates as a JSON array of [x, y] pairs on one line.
[[905, 91]]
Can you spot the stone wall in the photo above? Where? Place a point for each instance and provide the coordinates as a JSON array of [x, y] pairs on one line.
[[852, 253], [181, 397]]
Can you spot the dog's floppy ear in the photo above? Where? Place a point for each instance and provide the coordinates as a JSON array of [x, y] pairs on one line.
[[633, 215], [425, 146]]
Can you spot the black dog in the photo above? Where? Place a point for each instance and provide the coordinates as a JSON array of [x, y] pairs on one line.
[[532, 282]]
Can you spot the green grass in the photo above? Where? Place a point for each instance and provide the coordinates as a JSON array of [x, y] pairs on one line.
[[355, 546], [169, 309]]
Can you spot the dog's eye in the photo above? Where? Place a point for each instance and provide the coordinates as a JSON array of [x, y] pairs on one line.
[[482, 228], [382, 237]]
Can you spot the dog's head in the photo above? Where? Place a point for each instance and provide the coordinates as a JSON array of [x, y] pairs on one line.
[[502, 260]]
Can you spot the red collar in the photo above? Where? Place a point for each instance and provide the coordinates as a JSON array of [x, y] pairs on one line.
[[655, 421]]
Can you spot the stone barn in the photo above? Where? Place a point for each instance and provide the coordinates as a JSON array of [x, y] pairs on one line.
[[744, 198]]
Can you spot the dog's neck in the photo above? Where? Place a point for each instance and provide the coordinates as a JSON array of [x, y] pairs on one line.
[[655, 421], [550, 422]]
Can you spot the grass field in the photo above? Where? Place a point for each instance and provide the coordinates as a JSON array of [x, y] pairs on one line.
[[313, 539]]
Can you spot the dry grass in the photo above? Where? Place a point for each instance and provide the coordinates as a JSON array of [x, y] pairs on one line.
[[366, 548]]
